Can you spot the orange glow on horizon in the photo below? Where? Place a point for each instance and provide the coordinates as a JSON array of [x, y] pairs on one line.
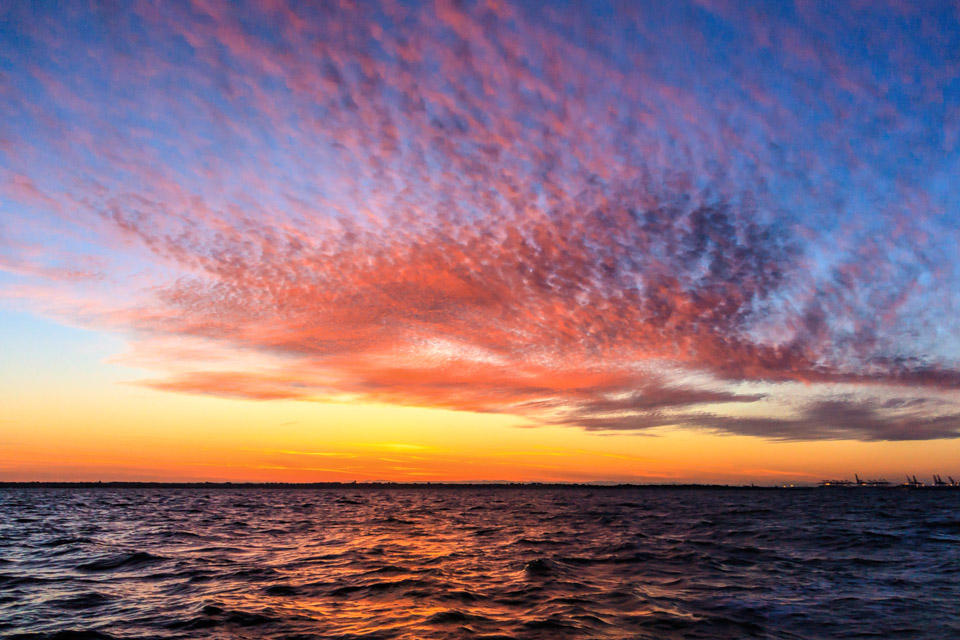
[[195, 438]]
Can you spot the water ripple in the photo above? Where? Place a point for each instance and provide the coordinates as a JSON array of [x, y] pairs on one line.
[[505, 562]]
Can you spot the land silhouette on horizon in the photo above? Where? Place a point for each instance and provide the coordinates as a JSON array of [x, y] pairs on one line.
[[46, 484]]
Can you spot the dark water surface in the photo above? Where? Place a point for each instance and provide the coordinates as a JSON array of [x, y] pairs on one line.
[[437, 562]]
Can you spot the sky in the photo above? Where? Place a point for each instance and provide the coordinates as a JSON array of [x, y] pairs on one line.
[[632, 242]]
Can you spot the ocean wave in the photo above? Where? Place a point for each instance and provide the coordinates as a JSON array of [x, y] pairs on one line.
[[121, 561]]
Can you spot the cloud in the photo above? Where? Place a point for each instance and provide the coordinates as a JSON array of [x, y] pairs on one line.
[[232, 384], [620, 220], [827, 419], [532, 320]]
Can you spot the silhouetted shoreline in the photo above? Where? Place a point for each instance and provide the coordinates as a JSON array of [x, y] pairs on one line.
[[420, 485]]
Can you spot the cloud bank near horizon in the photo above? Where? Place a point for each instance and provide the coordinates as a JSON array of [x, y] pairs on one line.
[[703, 216]]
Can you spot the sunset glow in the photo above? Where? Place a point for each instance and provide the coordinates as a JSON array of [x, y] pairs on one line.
[[481, 241]]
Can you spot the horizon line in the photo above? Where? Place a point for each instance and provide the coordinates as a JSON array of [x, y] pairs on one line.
[[53, 484]]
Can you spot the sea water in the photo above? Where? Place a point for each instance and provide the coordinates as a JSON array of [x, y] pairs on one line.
[[479, 562]]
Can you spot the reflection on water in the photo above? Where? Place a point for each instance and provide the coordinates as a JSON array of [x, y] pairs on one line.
[[442, 562]]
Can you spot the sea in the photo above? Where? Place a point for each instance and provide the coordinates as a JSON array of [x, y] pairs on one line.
[[411, 562]]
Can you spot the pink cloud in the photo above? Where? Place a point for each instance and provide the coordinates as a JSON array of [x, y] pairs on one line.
[[475, 207]]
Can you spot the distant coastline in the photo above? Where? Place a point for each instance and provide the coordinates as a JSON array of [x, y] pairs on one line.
[[363, 485], [439, 485]]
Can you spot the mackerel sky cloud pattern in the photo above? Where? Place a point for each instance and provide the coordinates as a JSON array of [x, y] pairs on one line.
[[622, 217]]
